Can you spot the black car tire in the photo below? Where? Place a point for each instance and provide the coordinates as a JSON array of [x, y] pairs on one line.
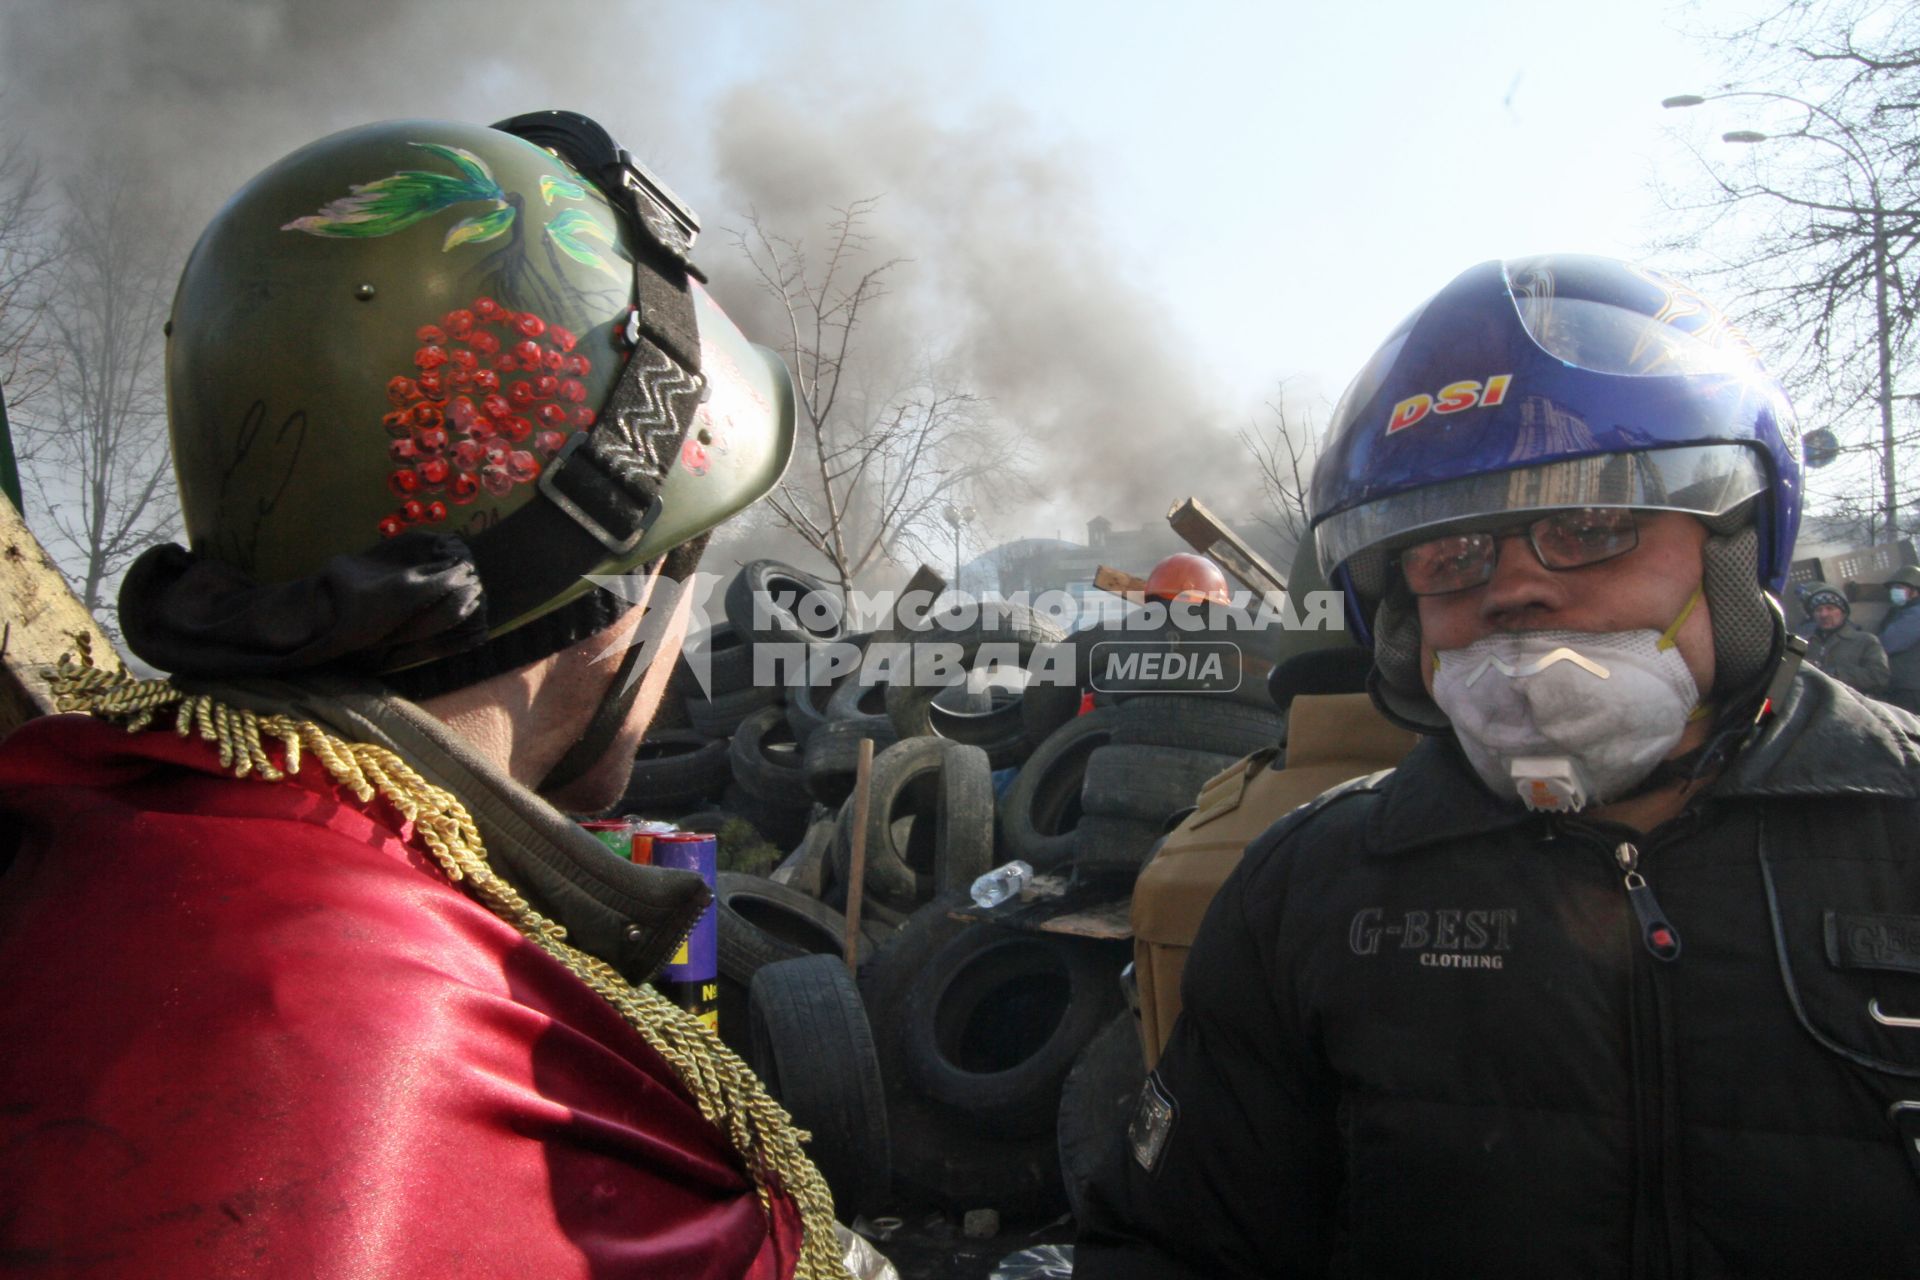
[[1042, 808], [728, 656], [719, 716], [1002, 731], [773, 603], [1194, 722], [767, 761], [1101, 842], [831, 758], [811, 684], [762, 922], [995, 1020], [1146, 783], [673, 770], [949, 843], [885, 977], [812, 1047]]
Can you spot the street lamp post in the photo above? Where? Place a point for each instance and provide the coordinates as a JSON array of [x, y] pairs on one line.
[[957, 516], [1882, 266]]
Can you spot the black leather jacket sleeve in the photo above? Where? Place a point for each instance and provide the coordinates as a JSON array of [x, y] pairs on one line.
[[1244, 1181]]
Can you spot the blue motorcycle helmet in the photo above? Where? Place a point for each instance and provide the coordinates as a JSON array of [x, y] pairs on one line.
[[1546, 383]]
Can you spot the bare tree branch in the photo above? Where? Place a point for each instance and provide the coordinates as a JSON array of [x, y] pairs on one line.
[[99, 467], [874, 475], [1284, 450], [1813, 228], [26, 261]]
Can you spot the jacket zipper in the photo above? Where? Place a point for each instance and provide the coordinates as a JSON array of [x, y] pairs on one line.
[[1650, 1015], [1658, 1234], [1657, 934]]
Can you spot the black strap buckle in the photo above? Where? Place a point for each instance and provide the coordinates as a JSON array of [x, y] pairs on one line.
[[549, 484], [589, 148], [670, 219]]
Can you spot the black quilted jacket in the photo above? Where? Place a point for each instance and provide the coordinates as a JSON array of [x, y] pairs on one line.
[[1428, 1035]]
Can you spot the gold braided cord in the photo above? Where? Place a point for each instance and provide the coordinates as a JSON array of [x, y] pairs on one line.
[[729, 1095]]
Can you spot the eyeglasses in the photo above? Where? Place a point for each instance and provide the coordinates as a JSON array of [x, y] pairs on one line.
[[1563, 540]]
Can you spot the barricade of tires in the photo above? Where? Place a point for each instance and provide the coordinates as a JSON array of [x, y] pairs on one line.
[[970, 1060]]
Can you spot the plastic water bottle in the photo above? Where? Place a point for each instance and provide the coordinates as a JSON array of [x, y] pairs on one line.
[[1001, 884]]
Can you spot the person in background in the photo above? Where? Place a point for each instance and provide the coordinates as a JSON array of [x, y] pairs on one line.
[[1841, 649], [1614, 975], [308, 971], [1900, 638]]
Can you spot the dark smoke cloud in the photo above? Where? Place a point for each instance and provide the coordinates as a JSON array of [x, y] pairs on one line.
[[1012, 278], [205, 93], [1013, 275]]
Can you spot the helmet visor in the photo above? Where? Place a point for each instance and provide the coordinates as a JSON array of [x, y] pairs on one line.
[[1595, 316], [1701, 480]]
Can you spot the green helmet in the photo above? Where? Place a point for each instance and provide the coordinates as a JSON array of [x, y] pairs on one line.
[[1906, 575], [449, 328]]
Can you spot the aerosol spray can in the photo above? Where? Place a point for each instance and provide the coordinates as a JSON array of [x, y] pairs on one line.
[[644, 834], [615, 833], [629, 837], [692, 978]]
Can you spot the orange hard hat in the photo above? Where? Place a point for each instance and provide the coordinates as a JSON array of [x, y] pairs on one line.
[[1186, 576]]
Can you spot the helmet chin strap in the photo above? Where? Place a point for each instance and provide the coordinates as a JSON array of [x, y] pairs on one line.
[[658, 609], [608, 717], [1741, 720]]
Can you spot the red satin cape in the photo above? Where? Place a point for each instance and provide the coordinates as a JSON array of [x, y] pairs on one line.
[[247, 1029]]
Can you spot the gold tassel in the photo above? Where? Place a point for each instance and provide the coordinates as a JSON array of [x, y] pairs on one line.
[[729, 1095]]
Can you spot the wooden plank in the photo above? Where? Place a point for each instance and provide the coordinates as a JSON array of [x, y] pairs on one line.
[[40, 621], [1109, 921], [857, 859], [1120, 583], [1047, 906], [1209, 535]]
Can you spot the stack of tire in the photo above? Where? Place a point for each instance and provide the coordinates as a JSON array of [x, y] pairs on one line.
[[1157, 751], [727, 750], [930, 831], [970, 1057], [1102, 788]]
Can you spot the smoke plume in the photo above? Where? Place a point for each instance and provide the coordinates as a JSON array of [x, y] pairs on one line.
[[1011, 281], [1014, 279]]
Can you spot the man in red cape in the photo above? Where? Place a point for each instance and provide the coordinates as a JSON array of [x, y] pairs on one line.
[[305, 973]]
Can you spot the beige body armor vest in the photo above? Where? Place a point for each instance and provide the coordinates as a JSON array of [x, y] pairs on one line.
[[1331, 739]]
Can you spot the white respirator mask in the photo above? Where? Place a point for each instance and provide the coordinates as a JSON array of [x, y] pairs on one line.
[[1567, 719]]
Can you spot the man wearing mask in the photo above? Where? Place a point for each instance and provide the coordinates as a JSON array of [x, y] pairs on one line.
[[1611, 975], [1841, 649], [1900, 637], [306, 973]]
